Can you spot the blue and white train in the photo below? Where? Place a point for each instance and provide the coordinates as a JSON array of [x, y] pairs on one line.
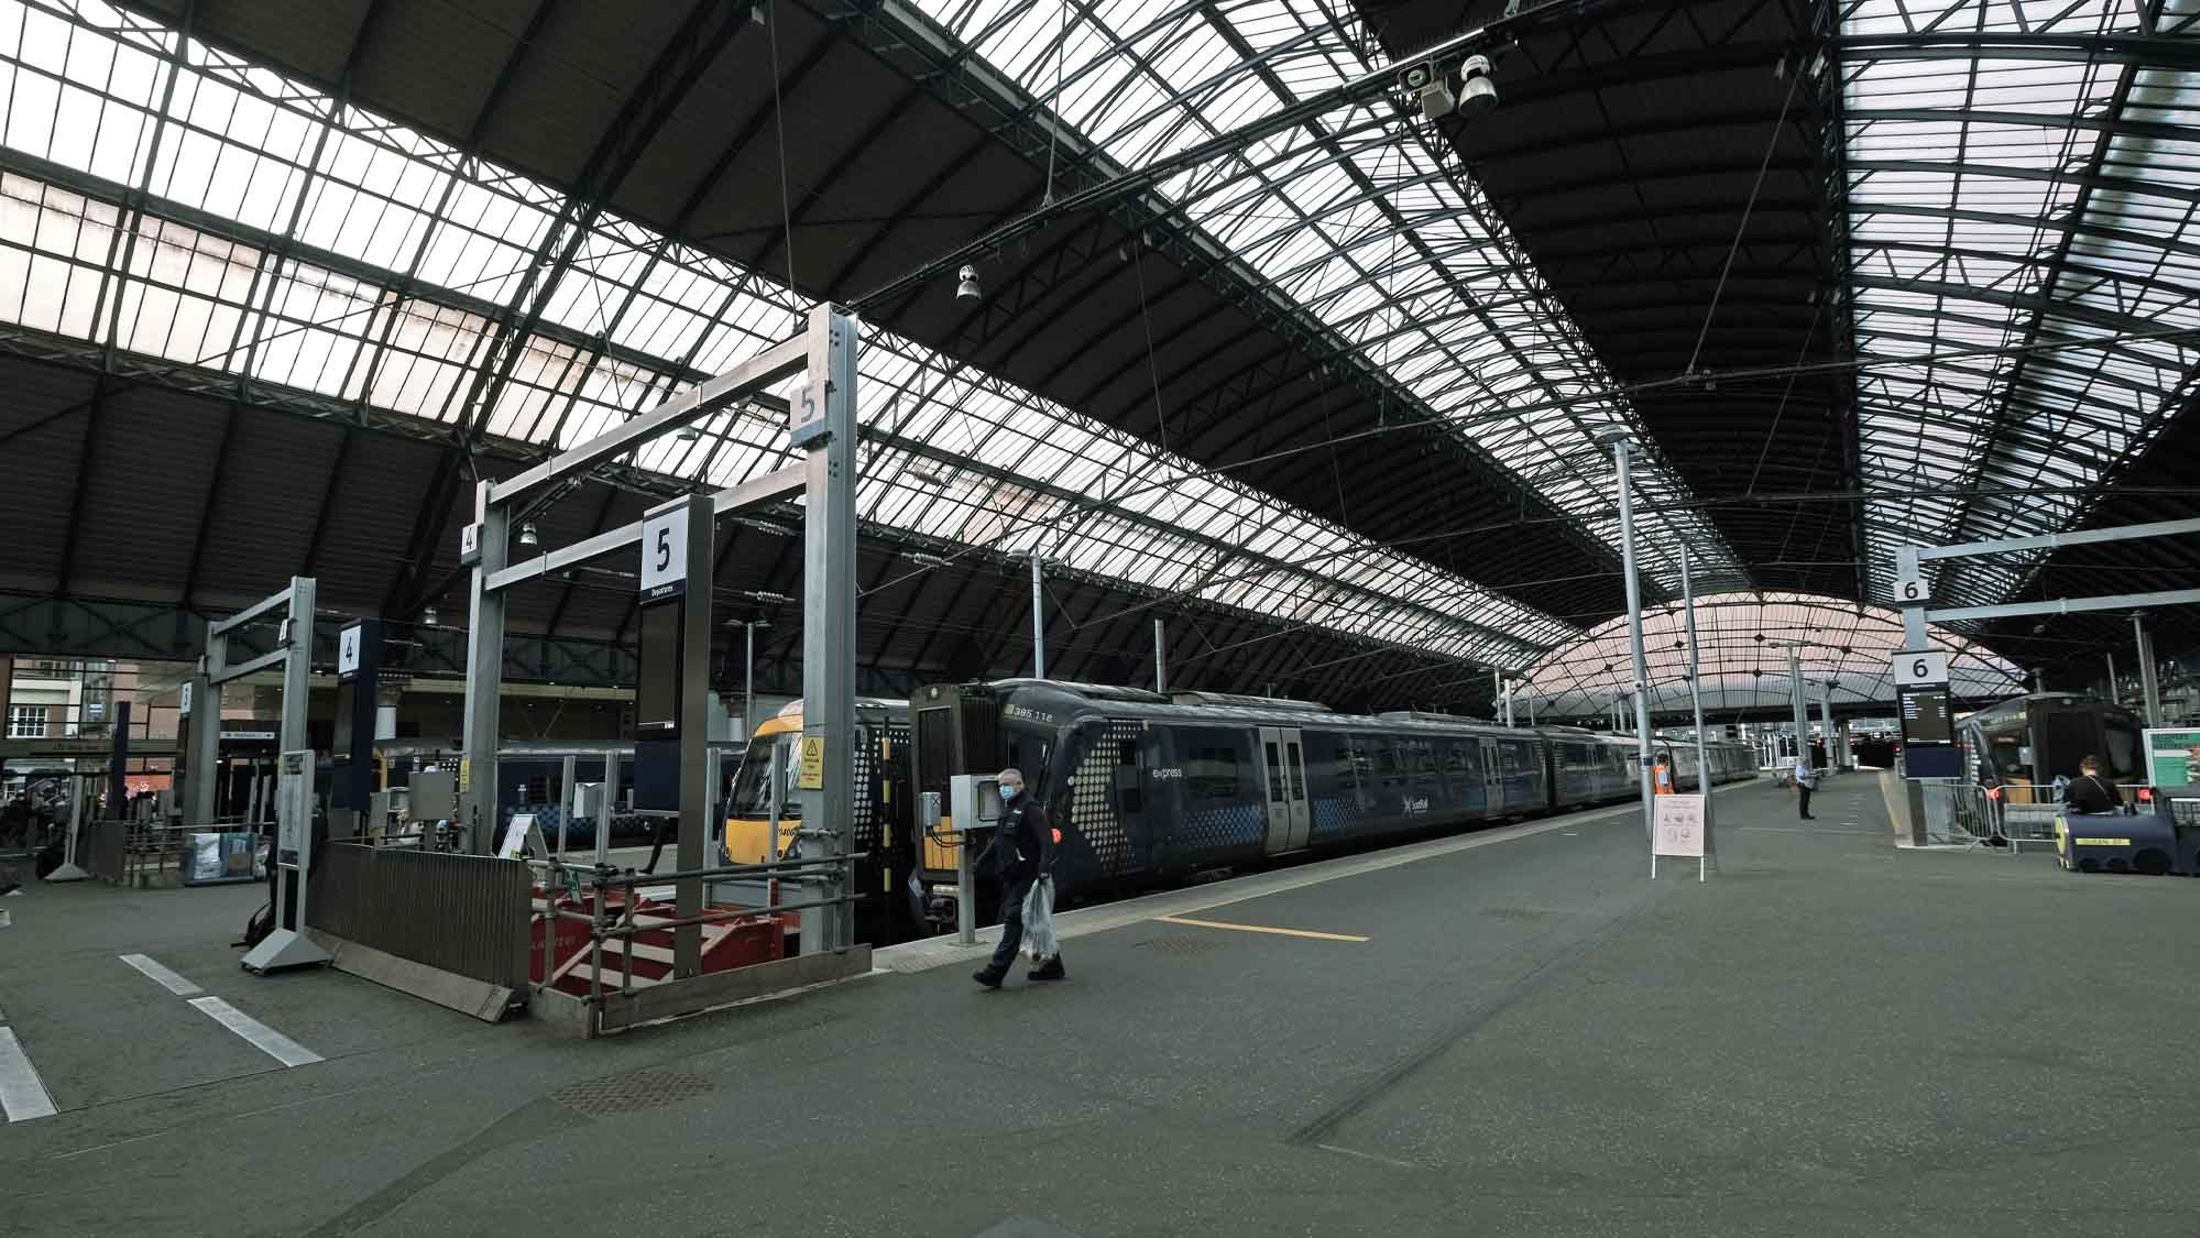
[[1150, 787]]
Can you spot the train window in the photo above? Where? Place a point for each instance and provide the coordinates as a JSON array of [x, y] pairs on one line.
[[1454, 763], [1298, 771], [1386, 762], [1211, 773], [1126, 752], [1275, 775], [2122, 749]]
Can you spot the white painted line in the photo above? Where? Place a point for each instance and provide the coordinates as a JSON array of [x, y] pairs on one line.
[[160, 975], [23, 1094], [1366, 1156], [264, 1038]]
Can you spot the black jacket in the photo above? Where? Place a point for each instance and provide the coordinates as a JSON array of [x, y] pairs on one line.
[[2092, 793], [1024, 845]]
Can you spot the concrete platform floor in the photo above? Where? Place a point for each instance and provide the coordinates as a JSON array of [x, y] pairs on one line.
[[1828, 1036]]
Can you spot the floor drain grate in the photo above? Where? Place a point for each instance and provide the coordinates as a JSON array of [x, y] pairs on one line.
[[643, 1089], [1180, 943]]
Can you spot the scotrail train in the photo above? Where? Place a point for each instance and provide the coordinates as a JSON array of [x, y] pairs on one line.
[[1149, 789]]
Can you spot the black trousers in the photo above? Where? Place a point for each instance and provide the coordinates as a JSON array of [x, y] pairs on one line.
[[1012, 923], [1802, 797]]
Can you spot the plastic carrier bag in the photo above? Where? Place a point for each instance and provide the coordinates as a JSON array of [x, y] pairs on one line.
[[1039, 940]]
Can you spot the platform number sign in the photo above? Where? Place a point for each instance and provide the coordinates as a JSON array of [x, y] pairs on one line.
[[1927, 666], [1910, 591], [469, 544], [664, 552], [347, 650]]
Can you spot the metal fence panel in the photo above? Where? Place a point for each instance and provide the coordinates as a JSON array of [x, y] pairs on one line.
[[106, 849], [465, 914]]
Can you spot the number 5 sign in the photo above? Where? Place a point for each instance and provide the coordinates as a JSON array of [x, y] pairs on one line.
[[664, 551], [1928, 666]]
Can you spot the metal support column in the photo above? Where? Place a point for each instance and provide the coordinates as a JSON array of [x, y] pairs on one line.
[[477, 766], [1695, 689], [204, 778], [1038, 621], [2115, 695], [1618, 437], [2150, 688], [287, 945], [1800, 698], [1160, 658], [748, 681], [829, 603], [1825, 724], [696, 791]]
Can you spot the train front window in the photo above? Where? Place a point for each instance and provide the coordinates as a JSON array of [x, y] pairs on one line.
[[751, 787], [2121, 743]]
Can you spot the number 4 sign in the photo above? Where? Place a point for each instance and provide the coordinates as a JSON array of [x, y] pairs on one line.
[[664, 551]]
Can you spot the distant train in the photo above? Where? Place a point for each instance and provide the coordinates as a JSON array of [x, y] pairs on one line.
[[1148, 788], [2029, 741]]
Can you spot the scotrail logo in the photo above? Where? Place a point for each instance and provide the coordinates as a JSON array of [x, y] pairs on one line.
[[1416, 805]]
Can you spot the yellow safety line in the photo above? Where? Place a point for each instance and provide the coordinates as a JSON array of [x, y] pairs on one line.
[[1261, 928]]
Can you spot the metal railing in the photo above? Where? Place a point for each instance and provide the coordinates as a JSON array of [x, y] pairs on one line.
[[1957, 813], [623, 924]]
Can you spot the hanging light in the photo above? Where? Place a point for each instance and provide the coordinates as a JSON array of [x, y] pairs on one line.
[[428, 616], [967, 289], [689, 434], [527, 535]]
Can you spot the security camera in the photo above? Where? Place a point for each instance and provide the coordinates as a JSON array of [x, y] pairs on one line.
[[1477, 93], [1425, 82]]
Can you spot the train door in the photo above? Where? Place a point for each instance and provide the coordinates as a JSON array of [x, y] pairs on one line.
[[1283, 788], [1493, 778]]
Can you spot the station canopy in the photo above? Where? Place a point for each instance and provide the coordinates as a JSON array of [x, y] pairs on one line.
[[1743, 642], [1325, 397]]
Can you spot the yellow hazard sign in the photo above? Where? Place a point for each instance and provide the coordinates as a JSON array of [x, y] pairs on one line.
[[812, 774]]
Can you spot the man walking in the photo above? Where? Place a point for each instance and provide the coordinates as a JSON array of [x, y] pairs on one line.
[[1805, 779], [1022, 850]]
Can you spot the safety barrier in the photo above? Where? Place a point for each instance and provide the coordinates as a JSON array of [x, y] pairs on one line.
[[1956, 813], [466, 915], [587, 913], [103, 849]]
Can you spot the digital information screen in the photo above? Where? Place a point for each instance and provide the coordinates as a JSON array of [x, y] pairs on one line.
[[1925, 716], [657, 697]]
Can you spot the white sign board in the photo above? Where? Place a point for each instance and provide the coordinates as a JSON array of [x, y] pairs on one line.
[[664, 551], [347, 650], [293, 808], [469, 544], [1678, 827], [514, 843], [183, 701], [1910, 591], [1924, 666]]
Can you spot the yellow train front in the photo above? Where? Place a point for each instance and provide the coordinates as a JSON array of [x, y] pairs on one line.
[[763, 791]]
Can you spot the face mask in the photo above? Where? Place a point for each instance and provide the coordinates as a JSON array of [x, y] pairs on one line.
[[1009, 793]]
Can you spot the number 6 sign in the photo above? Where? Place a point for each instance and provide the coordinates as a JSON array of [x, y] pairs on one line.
[[1925, 666]]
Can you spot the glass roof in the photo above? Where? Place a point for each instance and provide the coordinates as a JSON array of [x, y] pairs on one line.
[[1363, 218], [289, 240], [1745, 667], [2008, 207]]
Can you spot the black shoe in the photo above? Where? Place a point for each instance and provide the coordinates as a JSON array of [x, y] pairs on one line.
[[1049, 970], [988, 977], [1808, 817]]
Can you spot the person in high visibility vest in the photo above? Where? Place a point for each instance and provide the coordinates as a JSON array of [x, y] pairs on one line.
[[1661, 775]]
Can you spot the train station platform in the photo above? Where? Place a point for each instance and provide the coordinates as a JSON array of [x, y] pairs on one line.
[[1509, 1032]]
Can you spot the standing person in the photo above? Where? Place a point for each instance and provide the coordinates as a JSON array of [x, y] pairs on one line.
[[1805, 779], [2091, 792], [1661, 775], [1022, 850]]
